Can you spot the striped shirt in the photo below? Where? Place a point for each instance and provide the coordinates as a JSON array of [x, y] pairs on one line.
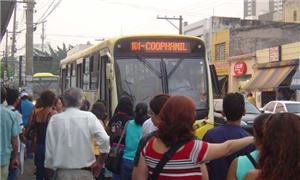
[[184, 164]]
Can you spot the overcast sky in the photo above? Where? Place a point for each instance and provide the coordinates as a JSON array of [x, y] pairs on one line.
[[78, 21]]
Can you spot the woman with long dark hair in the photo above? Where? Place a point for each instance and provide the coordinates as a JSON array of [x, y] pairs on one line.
[[175, 128], [133, 134], [280, 151], [122, 114]]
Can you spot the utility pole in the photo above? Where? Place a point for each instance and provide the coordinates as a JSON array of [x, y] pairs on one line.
[[5, 72], [43, 36], [29, 40], [180, 19], [13, 44]]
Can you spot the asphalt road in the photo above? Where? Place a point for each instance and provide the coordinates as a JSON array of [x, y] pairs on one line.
[[29, 169]]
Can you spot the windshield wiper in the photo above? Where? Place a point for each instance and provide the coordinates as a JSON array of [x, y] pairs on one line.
[[149, 66]]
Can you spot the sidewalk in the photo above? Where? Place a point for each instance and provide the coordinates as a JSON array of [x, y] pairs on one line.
[[28, 170]]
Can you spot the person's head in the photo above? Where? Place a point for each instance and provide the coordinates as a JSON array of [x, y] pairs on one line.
[[280, 151], [141, 113], [249, 94], [233, 106], [125, 105], [47, 98], [72, 97], [176, 120], [38, 103], [24, 95], [58, 104], [85, 105], [258, 126], [99, 110], [12, 97], [156, 104], [3, 94]]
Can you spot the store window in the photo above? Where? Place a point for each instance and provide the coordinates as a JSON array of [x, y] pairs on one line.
[[220, 51]]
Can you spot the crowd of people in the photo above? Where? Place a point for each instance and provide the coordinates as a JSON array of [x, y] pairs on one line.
[[71, 139]]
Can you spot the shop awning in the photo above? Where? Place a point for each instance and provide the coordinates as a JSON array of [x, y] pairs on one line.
[[295, 84], [268, 79]]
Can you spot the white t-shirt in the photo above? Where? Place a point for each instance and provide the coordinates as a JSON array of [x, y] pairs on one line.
[[148, 127]]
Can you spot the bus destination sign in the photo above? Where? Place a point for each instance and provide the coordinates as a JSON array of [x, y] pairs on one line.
[[160, 46]]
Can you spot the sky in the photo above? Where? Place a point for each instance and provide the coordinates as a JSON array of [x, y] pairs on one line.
[[81, 21]]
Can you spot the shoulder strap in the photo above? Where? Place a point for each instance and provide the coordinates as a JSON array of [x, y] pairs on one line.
[[252, 160], [166, 157], [123, 133], [141, 146]]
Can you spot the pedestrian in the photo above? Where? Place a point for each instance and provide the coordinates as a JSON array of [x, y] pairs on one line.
[[12, 101], [175, 131], [157, 102], [243, 164], [58, 105], [85, 105], [122, 114], [133, 133], [100, 111], [26, 108], [39, 123], [68, 141], [251, 99], [9, 132], [280, 150], [233, 110]]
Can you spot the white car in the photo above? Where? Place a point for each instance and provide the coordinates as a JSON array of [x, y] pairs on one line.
[[282, 106]]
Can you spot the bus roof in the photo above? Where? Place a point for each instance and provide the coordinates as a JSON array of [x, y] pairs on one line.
[[44, 74], [110, 43]]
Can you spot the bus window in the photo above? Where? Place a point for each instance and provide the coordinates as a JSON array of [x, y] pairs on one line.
[[86, 75], [93, 74]]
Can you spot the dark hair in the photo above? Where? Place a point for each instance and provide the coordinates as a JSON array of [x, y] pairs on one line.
[[12, 96], [176, 122], [233, 106], [3, 94], [157, 102], [47, 98], [125, 105], [85, 105], [58, 98], [100, 111], [141, 113], [258, 126], [249, 94], [38, 103], [280, 152]]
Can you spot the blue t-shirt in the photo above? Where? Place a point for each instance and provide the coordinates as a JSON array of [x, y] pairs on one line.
[[9, 127], [133, 133], [218, 168], [26, 108], [244, 165]]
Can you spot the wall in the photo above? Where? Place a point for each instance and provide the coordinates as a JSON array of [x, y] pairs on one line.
[[290, 51], [288, 13], [217, 38]]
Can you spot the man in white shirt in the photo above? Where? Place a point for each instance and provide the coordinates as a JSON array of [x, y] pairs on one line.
[[150, 125], [69, 141]]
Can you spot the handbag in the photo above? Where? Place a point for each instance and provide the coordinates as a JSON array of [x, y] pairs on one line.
[[114, 158]]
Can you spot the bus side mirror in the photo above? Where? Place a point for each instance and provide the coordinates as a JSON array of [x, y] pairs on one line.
[[214, 79], [109, 71]]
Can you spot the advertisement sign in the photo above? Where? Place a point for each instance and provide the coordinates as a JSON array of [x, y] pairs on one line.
[[274, 54], [240, 68]]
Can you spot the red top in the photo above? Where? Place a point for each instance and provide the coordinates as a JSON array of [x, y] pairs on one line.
[[184, 164]]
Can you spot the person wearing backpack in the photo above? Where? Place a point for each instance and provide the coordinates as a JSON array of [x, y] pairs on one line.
[[133, 133], [243, 164]]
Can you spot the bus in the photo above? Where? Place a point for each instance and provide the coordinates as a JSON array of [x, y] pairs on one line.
[[44, 81], [140, 67]]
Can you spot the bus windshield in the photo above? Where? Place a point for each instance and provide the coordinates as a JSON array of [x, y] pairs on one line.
[[143, 78]]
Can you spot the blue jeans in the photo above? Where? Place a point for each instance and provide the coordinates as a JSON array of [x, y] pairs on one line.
[[12, 174], [126, 169], [39, 159]]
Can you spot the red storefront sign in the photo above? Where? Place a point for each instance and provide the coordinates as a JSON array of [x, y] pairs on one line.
[[240, 68]]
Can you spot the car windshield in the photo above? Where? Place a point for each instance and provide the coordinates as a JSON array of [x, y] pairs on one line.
[[142, 78], [293, 108], [251, 109]]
